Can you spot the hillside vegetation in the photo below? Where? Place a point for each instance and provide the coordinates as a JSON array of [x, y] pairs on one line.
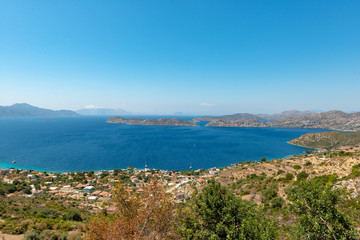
[[328, 140]]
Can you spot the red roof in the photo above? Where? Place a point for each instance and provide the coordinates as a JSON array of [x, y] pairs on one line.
[[200, 180]]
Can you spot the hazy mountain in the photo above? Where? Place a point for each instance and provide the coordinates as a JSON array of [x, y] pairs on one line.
[[102, 111], [26, 110], [232, 117], [255, 117], [337, 120], [288, 113]]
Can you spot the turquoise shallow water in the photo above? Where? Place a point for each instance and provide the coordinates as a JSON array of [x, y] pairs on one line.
[[88, 143]]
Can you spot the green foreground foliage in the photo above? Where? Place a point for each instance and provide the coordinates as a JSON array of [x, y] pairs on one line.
[[315, 203], [218, 214], [314, 207]]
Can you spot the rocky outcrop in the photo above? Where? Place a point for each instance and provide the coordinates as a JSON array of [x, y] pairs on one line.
[[236, 123], [157, 122], [336, 120]]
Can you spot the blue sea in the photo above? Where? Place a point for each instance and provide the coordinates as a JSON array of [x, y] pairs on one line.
[[89, 143]]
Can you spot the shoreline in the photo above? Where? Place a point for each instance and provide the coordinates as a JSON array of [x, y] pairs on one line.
[[9, 166]]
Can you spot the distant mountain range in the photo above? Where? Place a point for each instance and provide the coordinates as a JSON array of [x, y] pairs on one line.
[[255, 117], [102, 112], [26, 110], [336, 120], [288, 113]]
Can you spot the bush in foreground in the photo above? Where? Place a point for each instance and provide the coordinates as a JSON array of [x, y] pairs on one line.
[[149, 215], [315, 203], [218, 214]]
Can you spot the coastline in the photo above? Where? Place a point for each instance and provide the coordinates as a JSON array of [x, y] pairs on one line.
[[317, 149], [19, 167]]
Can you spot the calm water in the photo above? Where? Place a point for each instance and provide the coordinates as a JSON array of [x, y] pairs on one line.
[[88, 143]]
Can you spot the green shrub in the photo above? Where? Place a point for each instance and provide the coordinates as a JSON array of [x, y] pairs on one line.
[[355, 171], [308, 163], [302, 176], [315, 205], [46, 213], [270, 193], [308, 151], [218, 214], [73, 215], [289, 177], [277, 202], [297, 167], [32, 235]]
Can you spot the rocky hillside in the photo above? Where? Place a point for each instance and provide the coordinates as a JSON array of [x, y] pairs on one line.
[[236, 123], [159, 122], [255, 117], [248, 181], [336, 120], [233, 117], [288, 113], [327, 140]]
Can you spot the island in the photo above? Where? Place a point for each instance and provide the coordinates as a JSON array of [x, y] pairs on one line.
[[154, 122]]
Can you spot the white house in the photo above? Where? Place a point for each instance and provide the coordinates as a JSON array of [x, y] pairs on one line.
[[92, 198], [88, 189]]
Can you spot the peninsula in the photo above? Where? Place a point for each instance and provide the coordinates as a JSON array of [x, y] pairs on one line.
[[335, 120], [155, 122], [329, 140]]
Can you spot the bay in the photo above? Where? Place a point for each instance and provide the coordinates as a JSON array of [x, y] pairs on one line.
[[89, 143]]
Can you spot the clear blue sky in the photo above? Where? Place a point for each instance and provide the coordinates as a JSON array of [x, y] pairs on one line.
[[196, 57]]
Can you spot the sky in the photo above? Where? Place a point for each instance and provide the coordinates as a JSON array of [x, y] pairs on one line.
[[190, 56]]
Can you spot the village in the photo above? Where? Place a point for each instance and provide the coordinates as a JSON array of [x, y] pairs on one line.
[[92, 190]]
